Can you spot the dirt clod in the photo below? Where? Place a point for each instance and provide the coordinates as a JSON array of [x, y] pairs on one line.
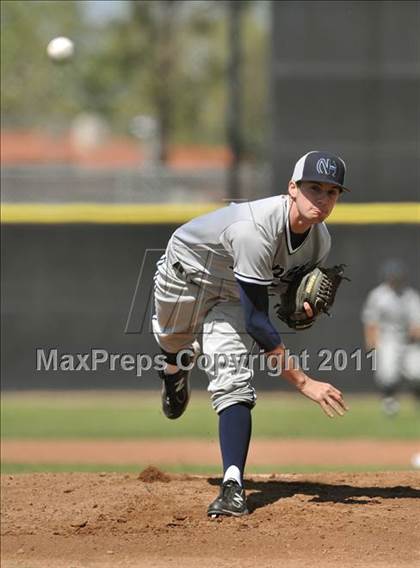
[[152, 475], [79, 524]]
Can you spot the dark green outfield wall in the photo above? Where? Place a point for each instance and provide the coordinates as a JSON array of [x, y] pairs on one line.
[[345, 79], [70, 287]]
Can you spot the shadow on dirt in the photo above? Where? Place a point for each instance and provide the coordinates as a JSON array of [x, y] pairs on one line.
[[262, 493]]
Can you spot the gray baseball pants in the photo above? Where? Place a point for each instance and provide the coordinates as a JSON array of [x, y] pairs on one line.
[[397, 360], [192, 306]]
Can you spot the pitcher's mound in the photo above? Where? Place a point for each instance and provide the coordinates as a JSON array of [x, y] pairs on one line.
[[156, 520]]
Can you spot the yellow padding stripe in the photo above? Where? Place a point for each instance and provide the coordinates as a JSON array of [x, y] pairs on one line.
[[369, 213], [176, 213], [108, 213]]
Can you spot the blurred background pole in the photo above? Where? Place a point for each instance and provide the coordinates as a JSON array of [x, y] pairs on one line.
[[156, 20], [166, 54], [234, 103]]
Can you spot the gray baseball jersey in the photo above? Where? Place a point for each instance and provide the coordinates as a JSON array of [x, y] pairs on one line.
[[250, 241], [393, 313]]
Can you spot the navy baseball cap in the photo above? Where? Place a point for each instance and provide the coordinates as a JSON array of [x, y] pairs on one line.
[[322, 167]]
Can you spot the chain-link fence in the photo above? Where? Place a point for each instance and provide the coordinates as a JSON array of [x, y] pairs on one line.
[[63, 184]]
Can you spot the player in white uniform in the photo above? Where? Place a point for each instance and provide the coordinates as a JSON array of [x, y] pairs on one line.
[[213, 282], [391, 317]]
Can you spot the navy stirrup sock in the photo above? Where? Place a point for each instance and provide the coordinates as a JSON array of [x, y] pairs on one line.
[[234, 435]]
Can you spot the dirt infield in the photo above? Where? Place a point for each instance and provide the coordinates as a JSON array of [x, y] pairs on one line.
[[107, 520], [335, 453]]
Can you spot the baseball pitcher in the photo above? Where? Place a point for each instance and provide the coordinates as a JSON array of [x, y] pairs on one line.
[[214, 282]]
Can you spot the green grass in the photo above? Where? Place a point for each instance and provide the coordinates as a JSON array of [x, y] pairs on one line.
[[137, 415], [18, 468]]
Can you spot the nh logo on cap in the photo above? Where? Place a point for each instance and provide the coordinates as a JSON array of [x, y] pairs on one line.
[[326, 166]]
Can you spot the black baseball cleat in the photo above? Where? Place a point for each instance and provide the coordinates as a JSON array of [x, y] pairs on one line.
[[230, 502], [176, 389], [175, 393]]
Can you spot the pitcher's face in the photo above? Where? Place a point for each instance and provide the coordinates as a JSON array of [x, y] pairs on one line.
[[314, 200]]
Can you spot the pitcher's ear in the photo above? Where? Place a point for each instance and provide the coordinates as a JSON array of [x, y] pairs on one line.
[[293, 189]]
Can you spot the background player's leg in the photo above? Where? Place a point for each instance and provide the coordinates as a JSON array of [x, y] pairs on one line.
[[388, 375], [411, 370]]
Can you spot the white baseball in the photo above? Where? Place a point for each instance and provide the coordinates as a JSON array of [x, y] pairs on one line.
[[415, 461], [60, 49]]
